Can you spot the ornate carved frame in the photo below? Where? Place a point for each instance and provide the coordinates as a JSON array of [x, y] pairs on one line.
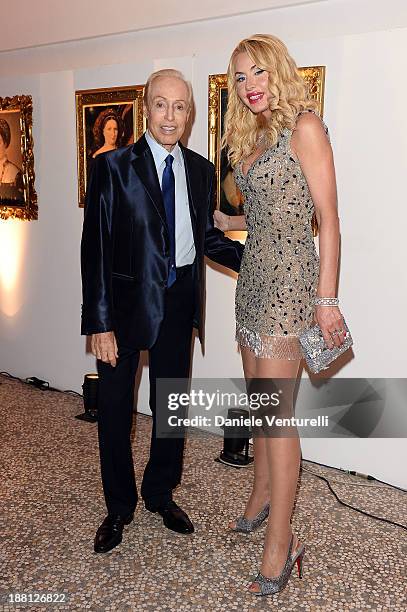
[[103, 97], [29, 211]]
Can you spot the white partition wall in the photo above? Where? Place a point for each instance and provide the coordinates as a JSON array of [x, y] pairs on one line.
[[363, 45]]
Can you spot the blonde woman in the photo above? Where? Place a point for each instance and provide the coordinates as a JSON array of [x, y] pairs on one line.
[[283, 165]]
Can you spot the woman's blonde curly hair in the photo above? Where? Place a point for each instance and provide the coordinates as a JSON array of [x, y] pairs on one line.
[[289, 96]]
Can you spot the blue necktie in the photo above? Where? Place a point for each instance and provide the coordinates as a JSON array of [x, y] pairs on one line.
[[168, 189]]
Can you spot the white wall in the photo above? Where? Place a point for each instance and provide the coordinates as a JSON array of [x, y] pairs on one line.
[[365, 90]]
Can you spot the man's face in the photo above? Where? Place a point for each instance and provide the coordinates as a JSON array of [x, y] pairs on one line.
[[167, 110]]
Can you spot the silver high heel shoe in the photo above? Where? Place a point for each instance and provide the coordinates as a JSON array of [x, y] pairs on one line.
[[245, 525], [271, 586]]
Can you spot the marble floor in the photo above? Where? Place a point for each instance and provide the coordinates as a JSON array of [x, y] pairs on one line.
[[51, 504]]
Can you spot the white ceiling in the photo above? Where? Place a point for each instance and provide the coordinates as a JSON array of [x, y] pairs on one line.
[[31, 23]]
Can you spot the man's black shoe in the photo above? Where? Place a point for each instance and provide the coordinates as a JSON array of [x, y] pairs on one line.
[[174, 518], [110, 532]]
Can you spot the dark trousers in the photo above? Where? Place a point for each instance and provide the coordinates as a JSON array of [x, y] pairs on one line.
[[168, 358]]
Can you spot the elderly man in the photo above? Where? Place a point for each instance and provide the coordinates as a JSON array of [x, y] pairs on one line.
[[147, 226]]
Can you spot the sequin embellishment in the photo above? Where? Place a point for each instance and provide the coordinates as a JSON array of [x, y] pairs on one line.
[[280, 266]]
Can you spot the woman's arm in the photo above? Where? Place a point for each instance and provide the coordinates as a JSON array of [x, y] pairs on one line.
[[313, 150], [227, 223]]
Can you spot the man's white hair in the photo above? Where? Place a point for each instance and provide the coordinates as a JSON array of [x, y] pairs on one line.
[[166, 72]]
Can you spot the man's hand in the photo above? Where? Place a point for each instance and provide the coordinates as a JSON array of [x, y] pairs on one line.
[[104, 347], [221, 221], [226, 223]]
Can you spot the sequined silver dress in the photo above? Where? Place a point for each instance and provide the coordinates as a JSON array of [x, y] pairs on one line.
[[280, 266]]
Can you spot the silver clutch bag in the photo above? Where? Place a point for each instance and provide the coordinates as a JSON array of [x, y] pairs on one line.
[[317, 355]]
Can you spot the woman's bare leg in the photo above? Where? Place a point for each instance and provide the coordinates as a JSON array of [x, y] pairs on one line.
[[283, 460], [260, 493]]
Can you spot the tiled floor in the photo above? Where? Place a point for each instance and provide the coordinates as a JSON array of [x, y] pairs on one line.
[[51, 504]]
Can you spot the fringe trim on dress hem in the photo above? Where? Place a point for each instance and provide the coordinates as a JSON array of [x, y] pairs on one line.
[[269, 347]]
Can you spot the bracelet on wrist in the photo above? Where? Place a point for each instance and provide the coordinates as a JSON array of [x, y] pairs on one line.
[[326, 301]]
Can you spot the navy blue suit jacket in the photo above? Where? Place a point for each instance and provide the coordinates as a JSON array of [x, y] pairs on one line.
[[125, 243]]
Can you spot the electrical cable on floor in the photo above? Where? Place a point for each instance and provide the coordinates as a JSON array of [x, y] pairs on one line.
[[11, 376], [307, 470], [390, 485], [351, 484], [68, 391], [367, 476], [343, 503], [71, 392], [44, 387]]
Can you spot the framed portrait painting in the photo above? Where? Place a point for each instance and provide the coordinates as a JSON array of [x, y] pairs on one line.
[[228, 197], [106, 119], [18, 198]]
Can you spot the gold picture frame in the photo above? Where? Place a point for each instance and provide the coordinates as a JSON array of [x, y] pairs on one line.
[[18, 198], [94, 108], [217, 101]]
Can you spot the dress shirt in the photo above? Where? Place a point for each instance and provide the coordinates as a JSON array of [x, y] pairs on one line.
[[184, 239]]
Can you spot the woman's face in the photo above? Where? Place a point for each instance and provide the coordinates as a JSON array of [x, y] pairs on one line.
[[2, 147], [110, 132], [252, 84]]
